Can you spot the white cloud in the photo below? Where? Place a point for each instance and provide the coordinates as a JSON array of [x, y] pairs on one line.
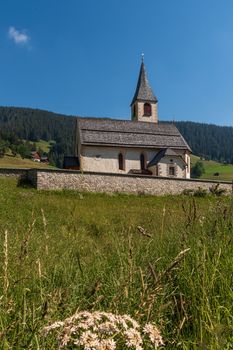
[[19, 37]]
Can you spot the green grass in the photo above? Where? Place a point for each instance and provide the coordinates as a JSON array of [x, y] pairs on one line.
[[8, 161], [211, 167], [53, 264]]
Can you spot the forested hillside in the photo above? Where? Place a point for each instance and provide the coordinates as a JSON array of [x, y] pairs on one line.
[[35, 125], [207, 141]]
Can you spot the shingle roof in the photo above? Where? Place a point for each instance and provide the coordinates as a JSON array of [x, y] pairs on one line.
[[143, 90], [162, 153], [113, 132]]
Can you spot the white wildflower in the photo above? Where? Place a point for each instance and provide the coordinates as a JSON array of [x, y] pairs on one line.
[[99, 316], [64, 340], [108, 328], [89, 340], [107, 344], [103, 331], [154, 334], [121, 321], [83, 325], [134, 323], [133, 338], [111, 317], [53, 326]]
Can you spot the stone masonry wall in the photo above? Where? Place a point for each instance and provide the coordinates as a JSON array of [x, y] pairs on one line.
[[96, 182], [13, 172]]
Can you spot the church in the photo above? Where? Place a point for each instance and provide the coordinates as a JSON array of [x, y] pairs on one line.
[[139, 146]]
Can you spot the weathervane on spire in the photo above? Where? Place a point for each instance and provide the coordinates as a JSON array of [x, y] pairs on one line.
[[142, 55]]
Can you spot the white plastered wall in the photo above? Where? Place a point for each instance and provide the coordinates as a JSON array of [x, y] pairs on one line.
[[188, 170], [162, 168], [105, 159]]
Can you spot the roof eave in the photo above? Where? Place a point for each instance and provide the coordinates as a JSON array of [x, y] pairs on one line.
[[131, 145], [155, 100]]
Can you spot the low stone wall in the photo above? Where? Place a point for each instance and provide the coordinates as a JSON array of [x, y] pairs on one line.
[[14, 172], [102, 182]]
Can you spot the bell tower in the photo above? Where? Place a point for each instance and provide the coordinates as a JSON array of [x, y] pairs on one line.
[[144, 103]]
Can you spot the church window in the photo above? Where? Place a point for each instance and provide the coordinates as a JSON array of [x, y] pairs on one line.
[[142, 161], [147, 109], [171, 171], [134, 111], [121, 161]]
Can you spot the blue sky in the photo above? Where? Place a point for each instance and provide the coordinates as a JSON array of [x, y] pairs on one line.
[[82, 57]]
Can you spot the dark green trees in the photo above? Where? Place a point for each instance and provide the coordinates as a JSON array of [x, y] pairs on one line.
[[197, 170]]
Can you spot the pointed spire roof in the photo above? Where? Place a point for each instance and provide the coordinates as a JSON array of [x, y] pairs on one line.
[[143, 90]]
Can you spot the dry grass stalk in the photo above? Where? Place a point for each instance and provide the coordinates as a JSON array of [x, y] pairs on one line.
[[163, 219], [24, 244], [39, 268], [130, 259], [153, 272], [142, 281], [142, 294], [148, 295], [45, 231], [5, 264], [40, 277], [182, 323], [190, 213], [175, 262], [143, 232]]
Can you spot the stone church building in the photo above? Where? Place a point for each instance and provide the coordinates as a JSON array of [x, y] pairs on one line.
[[139, 146]]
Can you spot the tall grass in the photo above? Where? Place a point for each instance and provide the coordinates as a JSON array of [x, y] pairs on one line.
[[166, 260]]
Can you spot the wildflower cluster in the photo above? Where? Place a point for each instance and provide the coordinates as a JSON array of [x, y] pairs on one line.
[[104, 331]]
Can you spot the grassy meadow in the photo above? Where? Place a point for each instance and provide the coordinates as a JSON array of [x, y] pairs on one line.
[[225, 171], [8, 161], [67, 251]]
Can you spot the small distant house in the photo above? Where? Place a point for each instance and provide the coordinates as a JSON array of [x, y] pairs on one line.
[[35, 156], [140, 146], [44, 159]]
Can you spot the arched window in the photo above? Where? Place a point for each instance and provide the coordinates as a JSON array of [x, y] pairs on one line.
[[121, 161], [134, 111], [142, 161], [147, 109]]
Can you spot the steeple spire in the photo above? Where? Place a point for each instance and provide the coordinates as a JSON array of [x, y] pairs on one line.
[[142, 56], [144, 103], [143, 90]]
